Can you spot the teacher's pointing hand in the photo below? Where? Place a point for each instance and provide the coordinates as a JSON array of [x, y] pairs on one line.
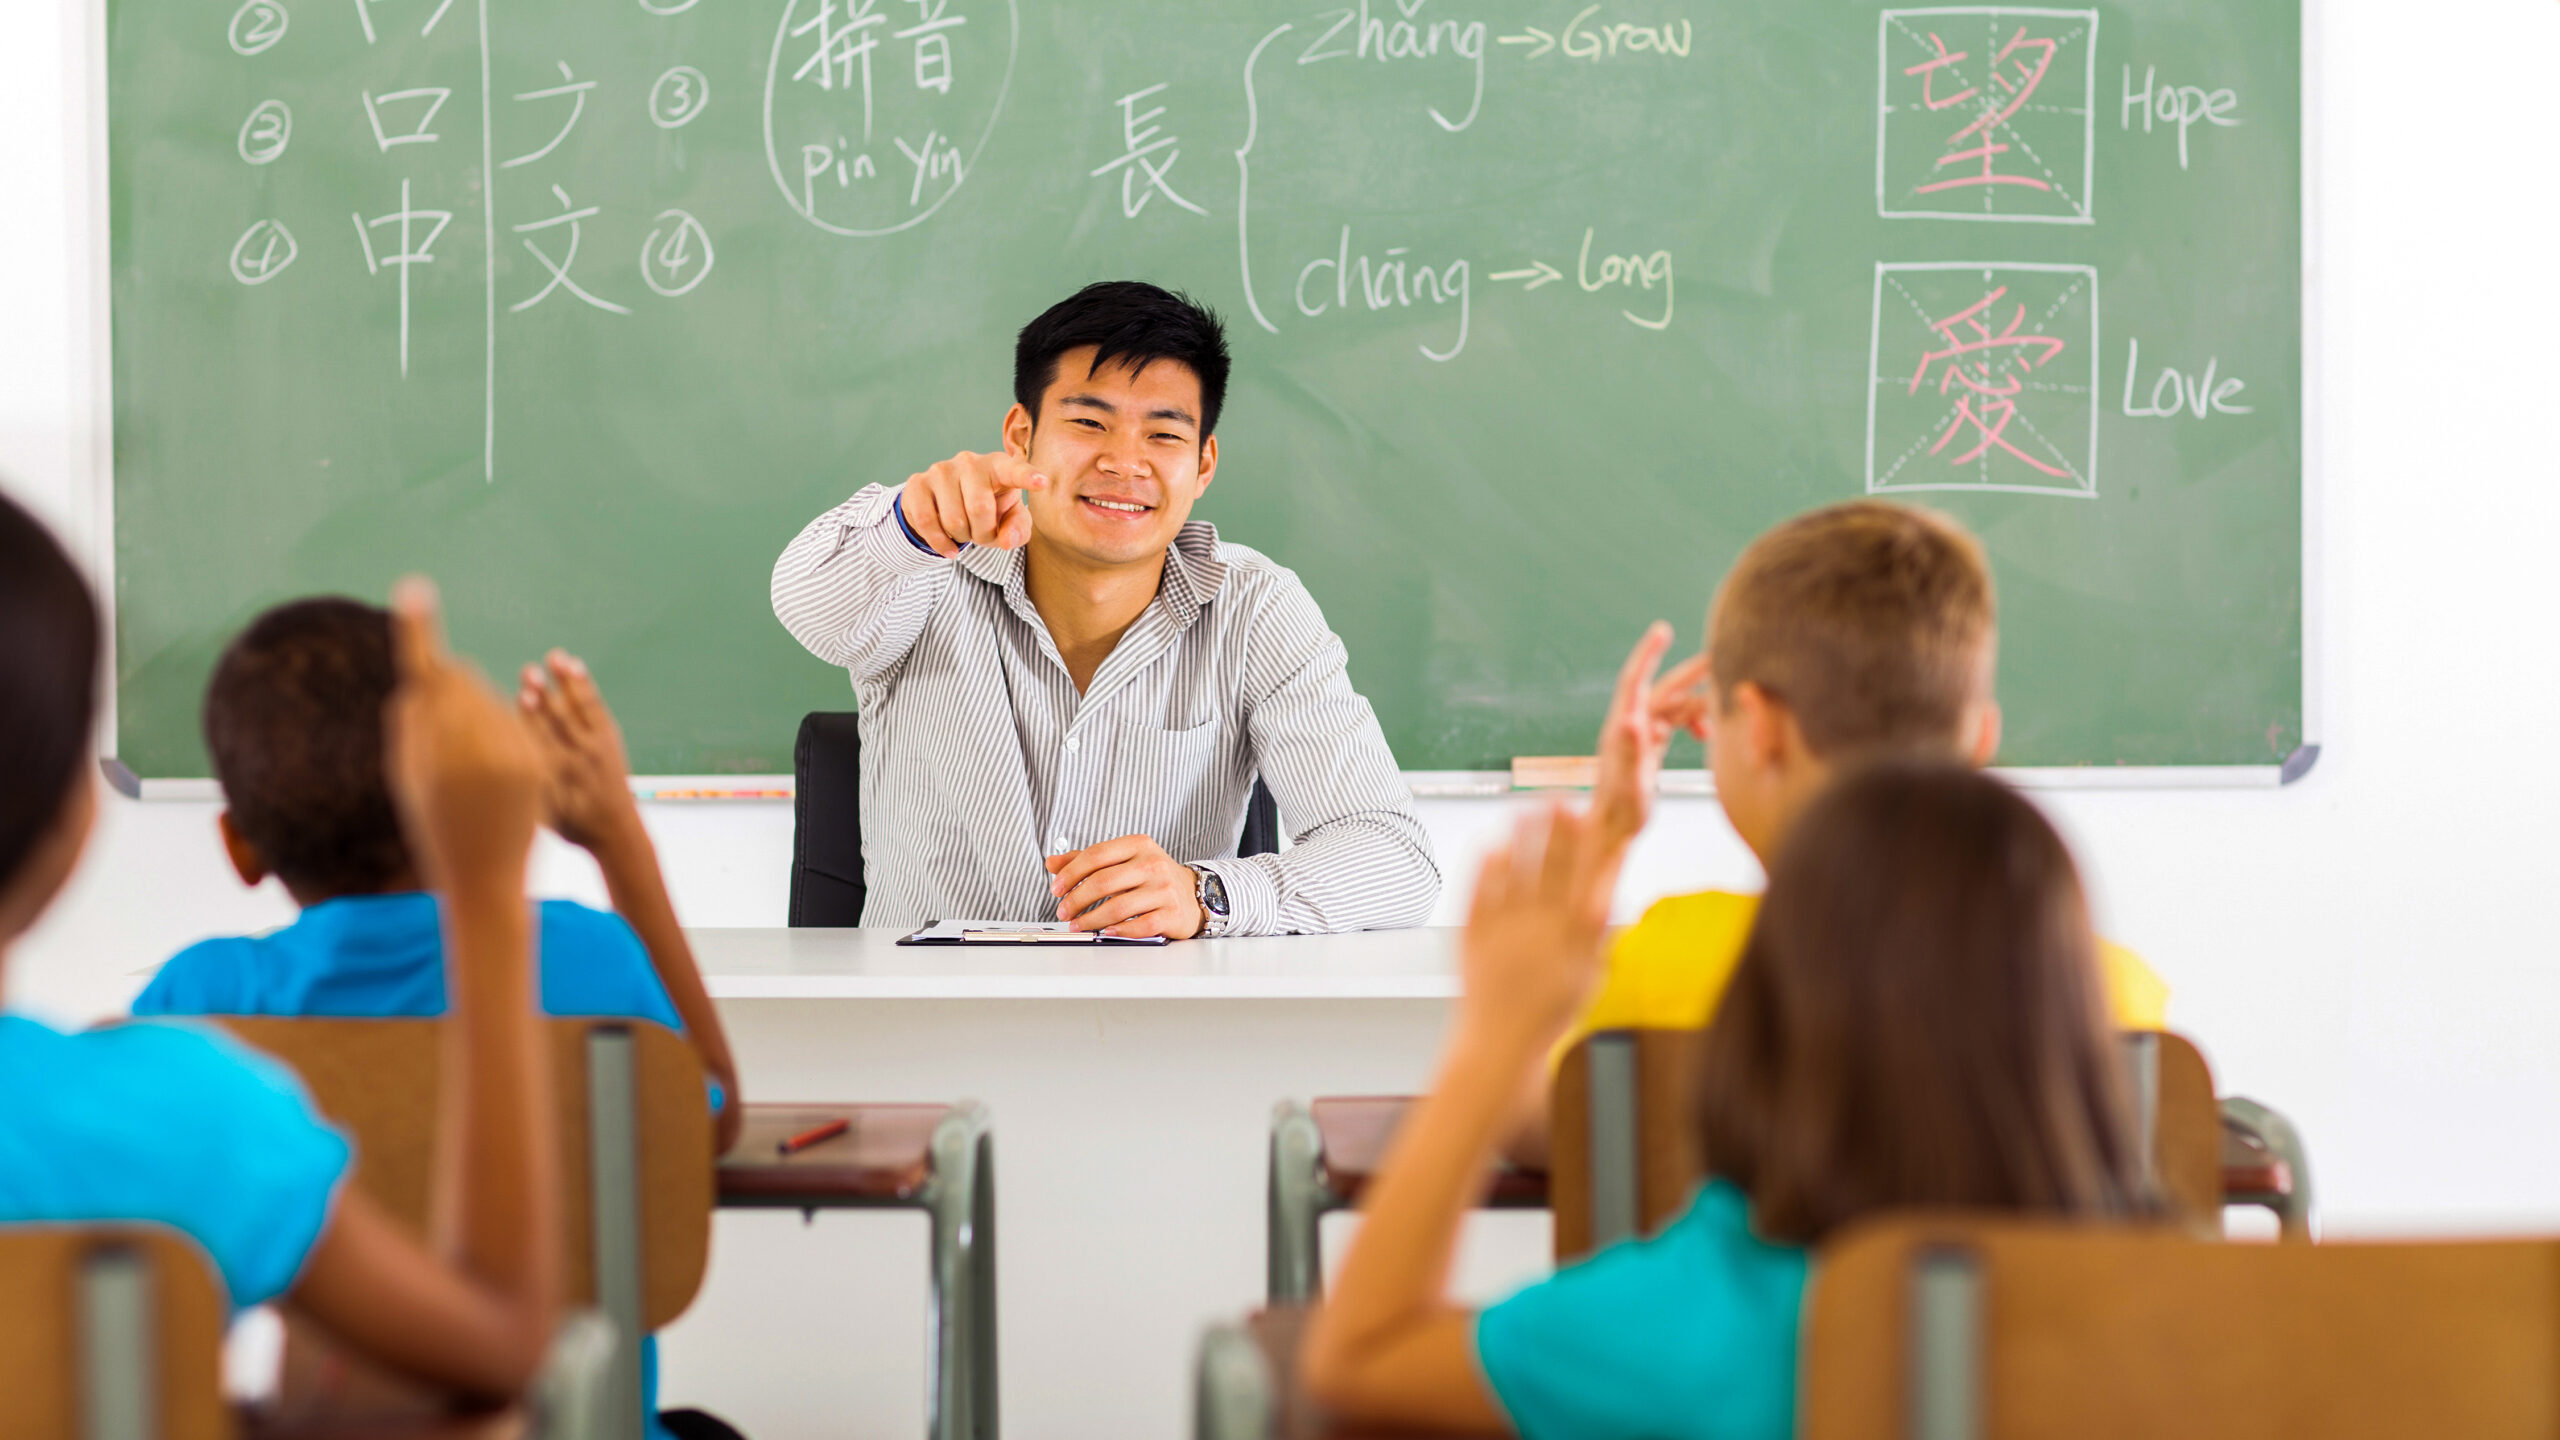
[[971, 499]]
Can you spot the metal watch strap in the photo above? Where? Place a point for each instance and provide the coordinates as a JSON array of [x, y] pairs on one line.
[[1212, 924]]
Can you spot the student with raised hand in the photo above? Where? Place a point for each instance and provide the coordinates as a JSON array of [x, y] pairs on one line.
[[293, 721], [177, 1125], [1916, 1021], [1858, 630]]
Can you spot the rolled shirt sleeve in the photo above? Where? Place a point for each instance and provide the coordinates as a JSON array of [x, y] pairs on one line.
[[853, 589]]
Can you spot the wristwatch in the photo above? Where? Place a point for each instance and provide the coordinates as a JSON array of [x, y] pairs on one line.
[[1214, 916]]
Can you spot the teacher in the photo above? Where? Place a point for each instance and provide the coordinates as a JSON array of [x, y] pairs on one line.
[[1068, 685]]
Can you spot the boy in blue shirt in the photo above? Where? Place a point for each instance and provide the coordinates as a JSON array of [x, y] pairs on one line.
[[293, 719]]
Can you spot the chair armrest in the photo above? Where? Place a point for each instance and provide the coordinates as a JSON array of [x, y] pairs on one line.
[[884, 1157], [2249, 1169], [2282, 1181]]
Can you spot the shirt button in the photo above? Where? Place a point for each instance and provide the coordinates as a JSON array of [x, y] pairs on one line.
[[1057, 844], [1071, 744]]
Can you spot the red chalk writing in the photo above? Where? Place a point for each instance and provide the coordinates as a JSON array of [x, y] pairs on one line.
[[1985, 370]]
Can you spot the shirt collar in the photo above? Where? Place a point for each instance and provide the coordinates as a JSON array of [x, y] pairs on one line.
[[1194, 575]]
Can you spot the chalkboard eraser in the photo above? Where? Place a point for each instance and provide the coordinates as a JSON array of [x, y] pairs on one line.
[[1554, 772], [121, 776], [2298, 764]]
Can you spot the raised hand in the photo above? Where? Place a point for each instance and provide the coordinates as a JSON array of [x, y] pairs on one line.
[[1644, 712], [971, 499], [586, 789], [1532, 948], [463, 773], [1128, 886]]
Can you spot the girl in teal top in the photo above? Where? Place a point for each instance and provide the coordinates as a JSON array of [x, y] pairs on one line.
[[176, 1125], [1916, 1021]]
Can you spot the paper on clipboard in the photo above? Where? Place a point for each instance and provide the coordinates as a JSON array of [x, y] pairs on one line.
[[1004, 932]]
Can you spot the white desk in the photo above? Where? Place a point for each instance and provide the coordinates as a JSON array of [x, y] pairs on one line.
[[1131, 1091], [869, 964]]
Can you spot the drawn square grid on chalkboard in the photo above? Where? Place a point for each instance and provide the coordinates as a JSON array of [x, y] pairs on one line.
[[1987, 112], [1984, 377]]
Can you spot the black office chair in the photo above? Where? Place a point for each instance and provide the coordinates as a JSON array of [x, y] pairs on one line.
[[826, 821]]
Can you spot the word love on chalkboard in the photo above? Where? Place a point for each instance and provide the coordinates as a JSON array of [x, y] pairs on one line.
[[1541, 310]]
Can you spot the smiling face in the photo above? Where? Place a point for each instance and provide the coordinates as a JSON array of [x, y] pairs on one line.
[[1124, 455]]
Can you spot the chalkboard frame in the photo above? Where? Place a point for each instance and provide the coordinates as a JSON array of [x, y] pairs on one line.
[[90, 528]]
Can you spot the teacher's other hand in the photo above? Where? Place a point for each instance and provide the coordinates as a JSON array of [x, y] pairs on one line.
[[1127, 886], [971, 499]]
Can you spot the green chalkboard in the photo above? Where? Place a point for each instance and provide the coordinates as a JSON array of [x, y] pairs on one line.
[[1541, 310]]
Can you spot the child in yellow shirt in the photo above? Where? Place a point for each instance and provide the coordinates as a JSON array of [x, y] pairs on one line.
[[1853, 631]]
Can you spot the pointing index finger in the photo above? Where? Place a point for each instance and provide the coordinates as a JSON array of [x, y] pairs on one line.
[[1015, 473]]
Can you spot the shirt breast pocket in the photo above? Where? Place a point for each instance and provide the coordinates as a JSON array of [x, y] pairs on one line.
[[1168, 783]]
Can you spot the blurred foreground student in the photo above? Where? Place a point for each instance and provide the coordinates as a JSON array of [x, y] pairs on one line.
[[1916, 1020], [1850, 632], [176, 1125], [293, 720]]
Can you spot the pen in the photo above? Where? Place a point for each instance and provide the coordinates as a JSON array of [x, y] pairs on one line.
[[809, 1137]]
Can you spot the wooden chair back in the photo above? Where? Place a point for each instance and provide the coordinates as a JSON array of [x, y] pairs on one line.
[[109, 1332], [377, 1080], [1622, 1151], [1622, 1147], [2174, 1101], [1947, 1328]]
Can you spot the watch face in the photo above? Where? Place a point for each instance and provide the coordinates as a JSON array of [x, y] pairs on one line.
[[1213, 893]]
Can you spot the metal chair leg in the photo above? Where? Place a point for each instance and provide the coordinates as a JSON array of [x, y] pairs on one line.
[[960, 1312], [1615, 1158], [573, 1395], [1232, 1389], [119, 1360], [1293, 1244], [2272, 1129], [1946, 1347], [613, 1161]]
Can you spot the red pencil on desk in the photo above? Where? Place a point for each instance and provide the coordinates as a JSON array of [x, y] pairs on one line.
[[807, 1138]]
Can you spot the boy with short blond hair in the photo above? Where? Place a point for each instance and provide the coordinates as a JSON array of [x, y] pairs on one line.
[[1855, 631]]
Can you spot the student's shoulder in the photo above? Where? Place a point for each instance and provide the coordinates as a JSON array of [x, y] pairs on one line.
[[1701, 930], [593, 963], [1699, 911], [2136, 995], [587, 927], [1689, 1332], [209, 977], [162, 1068]]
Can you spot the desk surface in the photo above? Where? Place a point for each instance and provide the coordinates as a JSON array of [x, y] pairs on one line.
[[869, 964]]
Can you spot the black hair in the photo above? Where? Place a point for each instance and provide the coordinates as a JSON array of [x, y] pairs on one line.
[[48, 682], [1130, 321], [293, 718]]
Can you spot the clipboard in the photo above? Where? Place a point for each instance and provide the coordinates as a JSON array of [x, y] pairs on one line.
[[1004, 932]]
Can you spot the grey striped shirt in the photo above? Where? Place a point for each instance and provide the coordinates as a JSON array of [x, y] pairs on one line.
[[979, 757]]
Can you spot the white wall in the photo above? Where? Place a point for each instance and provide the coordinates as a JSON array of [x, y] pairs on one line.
[[2373, 950]]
